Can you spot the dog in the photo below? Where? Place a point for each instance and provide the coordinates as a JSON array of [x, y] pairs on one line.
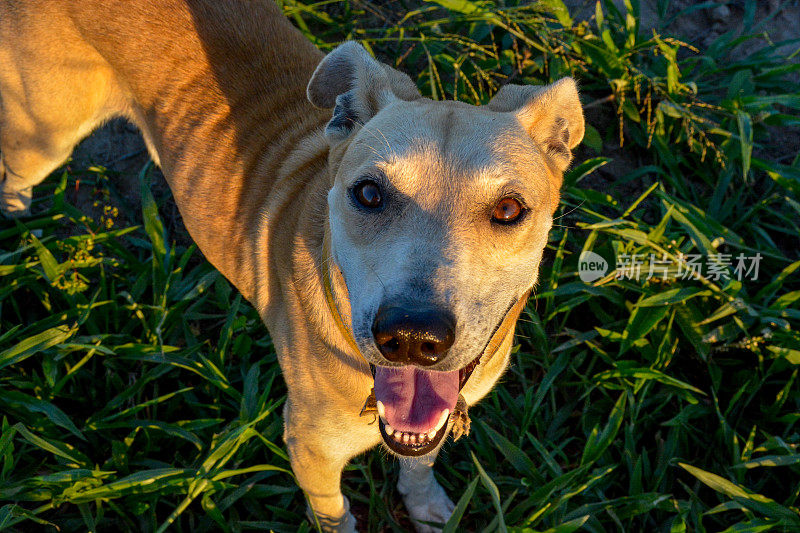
[[388, 241]]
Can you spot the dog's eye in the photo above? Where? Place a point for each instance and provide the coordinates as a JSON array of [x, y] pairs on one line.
[[368, 194], [507, 211]]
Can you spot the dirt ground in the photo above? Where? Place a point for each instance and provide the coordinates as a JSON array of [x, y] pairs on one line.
[[779, 19], [119, 147]]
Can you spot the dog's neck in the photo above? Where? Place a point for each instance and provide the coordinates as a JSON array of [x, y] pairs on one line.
[[227, 95]]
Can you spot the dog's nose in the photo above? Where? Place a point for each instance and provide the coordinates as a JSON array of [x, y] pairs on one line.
[[413, 337]]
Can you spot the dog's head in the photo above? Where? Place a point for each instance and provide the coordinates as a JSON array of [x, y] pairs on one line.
[[439, 213]]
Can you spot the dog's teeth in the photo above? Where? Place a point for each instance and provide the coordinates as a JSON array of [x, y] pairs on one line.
[[413, 439], [442, 420], [432, 434], [423, 438], [381, 410], [406, 438], [388, 429]]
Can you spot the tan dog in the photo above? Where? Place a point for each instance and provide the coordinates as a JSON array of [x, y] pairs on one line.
[[396, 235]]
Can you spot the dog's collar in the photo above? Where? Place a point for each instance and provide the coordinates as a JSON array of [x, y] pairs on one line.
[[504, 327], [334, 309], [496, 340]]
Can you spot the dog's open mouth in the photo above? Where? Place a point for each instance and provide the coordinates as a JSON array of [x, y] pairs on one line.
[[415, 405]]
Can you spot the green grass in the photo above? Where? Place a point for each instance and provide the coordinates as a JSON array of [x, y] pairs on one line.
[[138, 392]]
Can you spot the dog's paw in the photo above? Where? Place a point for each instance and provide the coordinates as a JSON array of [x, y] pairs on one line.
[[14, 204], [346, 523], [430, 505]]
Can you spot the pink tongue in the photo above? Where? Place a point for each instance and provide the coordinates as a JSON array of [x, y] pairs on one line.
[[414, 399]]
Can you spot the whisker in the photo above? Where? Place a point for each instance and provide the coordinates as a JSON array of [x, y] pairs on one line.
[[565, 227], [570, 211]]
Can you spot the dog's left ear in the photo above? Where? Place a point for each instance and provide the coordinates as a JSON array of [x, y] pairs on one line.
[[551, 114], [357, 87]]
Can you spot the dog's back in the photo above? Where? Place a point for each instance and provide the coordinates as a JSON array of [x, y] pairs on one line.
[[213, 85]]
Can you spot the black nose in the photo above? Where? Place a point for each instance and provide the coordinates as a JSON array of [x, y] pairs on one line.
[[413, 337]]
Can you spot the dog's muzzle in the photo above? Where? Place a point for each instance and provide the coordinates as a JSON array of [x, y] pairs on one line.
[[418, 337]]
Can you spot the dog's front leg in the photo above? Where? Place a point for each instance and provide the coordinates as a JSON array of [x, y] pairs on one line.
[[320, 442], [319, 474], [425, 499]]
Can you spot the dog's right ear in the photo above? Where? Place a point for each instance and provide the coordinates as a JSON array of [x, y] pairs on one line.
[[357, 87], [551, 114]]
